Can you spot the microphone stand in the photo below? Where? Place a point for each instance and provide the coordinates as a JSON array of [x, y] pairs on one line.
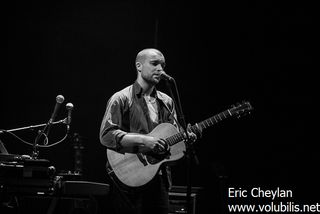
[[35, 153], [190, 153]]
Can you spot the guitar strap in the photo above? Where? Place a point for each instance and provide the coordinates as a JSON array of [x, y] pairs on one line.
[[171, 113]]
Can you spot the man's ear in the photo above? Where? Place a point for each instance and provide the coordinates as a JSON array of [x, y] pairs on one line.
[[138, 66]]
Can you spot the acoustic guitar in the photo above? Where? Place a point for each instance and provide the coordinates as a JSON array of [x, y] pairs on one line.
[[135, 170]]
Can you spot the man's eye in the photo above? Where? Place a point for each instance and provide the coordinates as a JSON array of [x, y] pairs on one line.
[[157, 63]]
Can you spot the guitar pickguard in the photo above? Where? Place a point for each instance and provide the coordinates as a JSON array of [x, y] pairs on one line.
[[156, 158], [142, 159]]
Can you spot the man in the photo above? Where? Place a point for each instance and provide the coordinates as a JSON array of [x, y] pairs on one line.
[[130, 115]]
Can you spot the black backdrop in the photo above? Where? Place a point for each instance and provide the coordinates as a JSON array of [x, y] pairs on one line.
[[219, 54]]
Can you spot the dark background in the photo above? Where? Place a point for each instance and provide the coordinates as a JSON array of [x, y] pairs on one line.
[[219, 54]]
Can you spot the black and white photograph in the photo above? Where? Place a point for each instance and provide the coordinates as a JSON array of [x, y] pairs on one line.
[[162, 107]]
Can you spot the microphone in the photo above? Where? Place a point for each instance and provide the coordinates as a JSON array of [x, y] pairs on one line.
[[59, 100], [165, 76], [69, 107]]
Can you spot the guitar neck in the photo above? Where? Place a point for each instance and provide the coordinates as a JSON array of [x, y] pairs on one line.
[[213, 120], [202, 125]]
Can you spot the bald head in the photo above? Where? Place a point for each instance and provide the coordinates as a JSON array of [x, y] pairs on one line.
[[145, 53]]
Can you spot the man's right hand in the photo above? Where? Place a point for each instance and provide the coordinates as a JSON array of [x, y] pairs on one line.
[[156, 145]]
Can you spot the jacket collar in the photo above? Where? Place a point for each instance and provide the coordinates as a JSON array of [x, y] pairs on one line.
[[137, 89]]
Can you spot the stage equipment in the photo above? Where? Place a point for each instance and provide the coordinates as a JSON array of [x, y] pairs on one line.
[[177, 200], [44, 132]]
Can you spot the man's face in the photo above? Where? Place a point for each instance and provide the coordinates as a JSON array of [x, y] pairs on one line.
[[152, 66]]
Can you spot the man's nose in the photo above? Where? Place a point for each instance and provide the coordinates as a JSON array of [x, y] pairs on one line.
[[159, 67]]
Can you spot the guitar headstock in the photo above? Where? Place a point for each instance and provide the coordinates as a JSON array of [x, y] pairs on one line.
[[241, 109]]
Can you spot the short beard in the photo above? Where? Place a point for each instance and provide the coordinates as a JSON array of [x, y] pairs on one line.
[[151, 81]]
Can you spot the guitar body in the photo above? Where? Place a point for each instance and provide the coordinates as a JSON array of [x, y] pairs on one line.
[[135, 170]]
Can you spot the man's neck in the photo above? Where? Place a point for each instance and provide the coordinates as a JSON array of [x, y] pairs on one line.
[[146, 87]]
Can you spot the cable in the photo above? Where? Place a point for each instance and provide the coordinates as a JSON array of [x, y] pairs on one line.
[[47, 145]]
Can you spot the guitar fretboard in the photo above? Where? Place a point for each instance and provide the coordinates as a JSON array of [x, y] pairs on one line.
[[213, 120], [202, 125]]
